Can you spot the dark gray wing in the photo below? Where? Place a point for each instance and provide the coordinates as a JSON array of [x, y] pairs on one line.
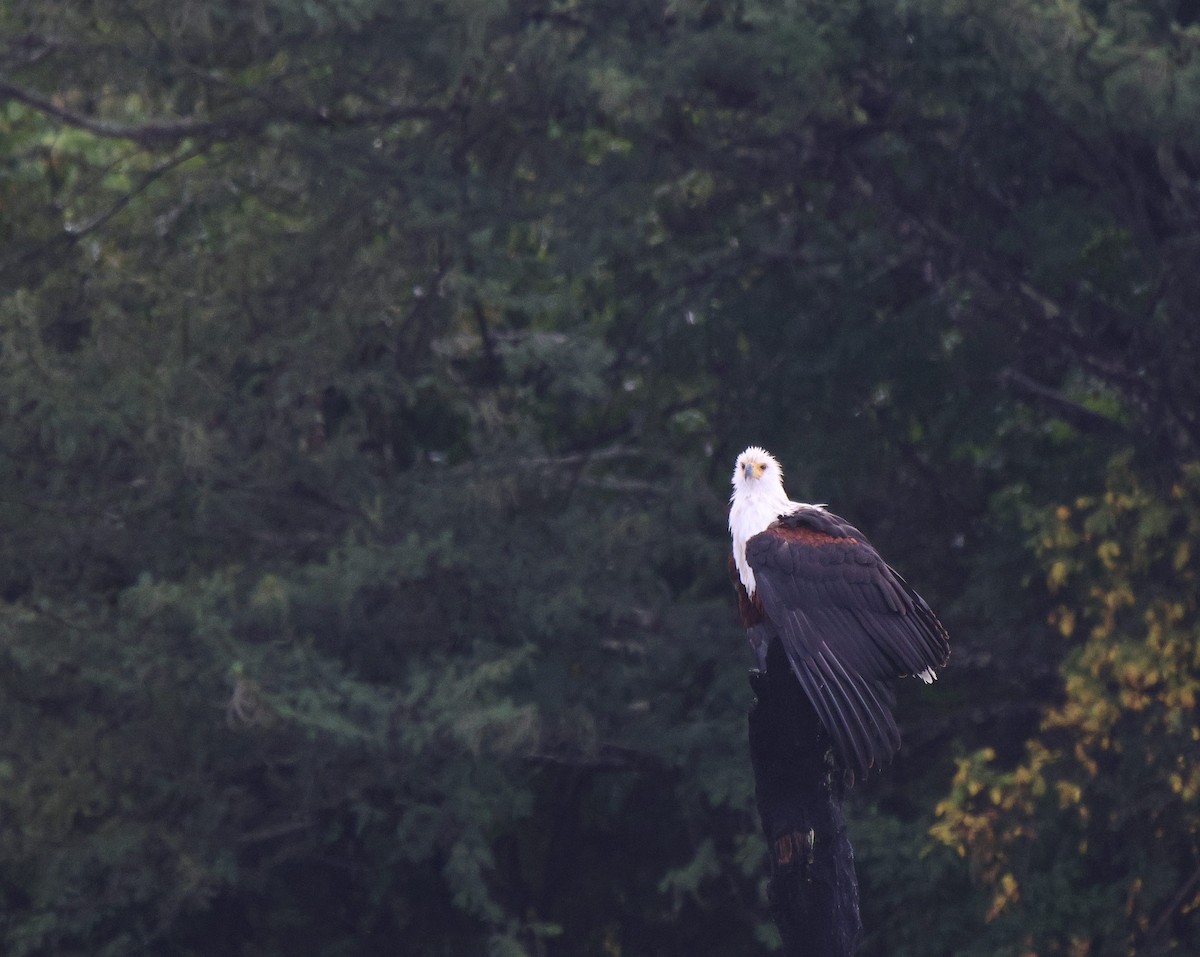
[[849, 625]]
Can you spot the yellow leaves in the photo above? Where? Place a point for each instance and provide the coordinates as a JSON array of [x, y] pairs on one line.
[[1089, 764], [988, 813], [1133, 675], [1154, 631], [944, 829], [1117, 598], [1088, 712], [1185, 782], [961, 824], [1079, 947], [1131, 897], [1108, 603], [964, 832], [1064, 620], [1057, 576], [1109, 552], [1066, 623], [1127, 595], [1121, 501], [1182, 699], [1137, 684], [1069, 794], [1008, 892]]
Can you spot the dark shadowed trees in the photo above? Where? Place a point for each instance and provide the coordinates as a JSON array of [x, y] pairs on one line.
[[371, 375]]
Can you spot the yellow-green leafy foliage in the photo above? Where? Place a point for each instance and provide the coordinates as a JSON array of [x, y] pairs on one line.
[[1103, 806], [370, 377]]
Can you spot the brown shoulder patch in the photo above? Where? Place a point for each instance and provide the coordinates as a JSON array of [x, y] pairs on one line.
[[803, 535]]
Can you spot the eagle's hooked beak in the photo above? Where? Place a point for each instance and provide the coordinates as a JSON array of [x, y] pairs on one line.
[[752, 470]]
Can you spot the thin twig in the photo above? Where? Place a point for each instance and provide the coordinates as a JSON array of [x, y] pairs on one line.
[[154, 133], [79, 231], [148, 134], [1176, 902]]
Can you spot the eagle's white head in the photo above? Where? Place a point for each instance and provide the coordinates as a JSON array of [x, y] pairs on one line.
[[757, 471], [758, 499]]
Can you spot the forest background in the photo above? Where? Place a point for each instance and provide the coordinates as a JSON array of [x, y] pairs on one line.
[[371, 374]]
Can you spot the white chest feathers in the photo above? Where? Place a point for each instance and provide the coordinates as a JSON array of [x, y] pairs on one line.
[[749, 514]]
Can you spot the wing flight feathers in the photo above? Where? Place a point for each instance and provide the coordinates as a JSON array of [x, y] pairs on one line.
[[848, 623]]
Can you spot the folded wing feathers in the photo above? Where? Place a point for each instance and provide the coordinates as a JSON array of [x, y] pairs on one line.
[[849, 624], [829, 705], [850, 707]]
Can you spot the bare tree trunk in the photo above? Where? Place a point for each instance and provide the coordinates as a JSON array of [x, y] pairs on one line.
[[813, 889]]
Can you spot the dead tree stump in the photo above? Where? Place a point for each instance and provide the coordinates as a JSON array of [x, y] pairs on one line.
[[813, 889]]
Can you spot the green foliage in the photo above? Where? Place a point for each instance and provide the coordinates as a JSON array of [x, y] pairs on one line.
[[369, 379], [1104, 801]]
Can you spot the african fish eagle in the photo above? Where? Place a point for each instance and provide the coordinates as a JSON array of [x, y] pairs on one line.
[[847, 622]]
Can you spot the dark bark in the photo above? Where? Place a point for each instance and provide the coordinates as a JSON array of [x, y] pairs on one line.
[[813, 889], [249, 121]]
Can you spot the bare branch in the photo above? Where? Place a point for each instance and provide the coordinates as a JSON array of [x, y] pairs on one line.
[[148, 134], [1081, 417], [30, 49], [1181, 896], [153, 133], [79, 230], [610, 757], [271, 832]]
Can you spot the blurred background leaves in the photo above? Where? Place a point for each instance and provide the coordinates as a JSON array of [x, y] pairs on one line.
[[371, 378]]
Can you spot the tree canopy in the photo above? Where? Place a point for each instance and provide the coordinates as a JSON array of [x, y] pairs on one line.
[[371, 375]]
